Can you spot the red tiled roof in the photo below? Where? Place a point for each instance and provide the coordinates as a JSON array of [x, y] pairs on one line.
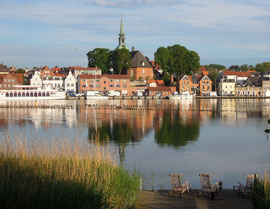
[[56, 69], [238, 74], [202, 68], [160, 82]]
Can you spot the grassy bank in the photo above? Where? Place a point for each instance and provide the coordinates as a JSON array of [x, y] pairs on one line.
[[62, 174], [261, 192]]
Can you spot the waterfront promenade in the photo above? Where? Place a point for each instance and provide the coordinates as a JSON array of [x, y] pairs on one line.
[[161, 200]]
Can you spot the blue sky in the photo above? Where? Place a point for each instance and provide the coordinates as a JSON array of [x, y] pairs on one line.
[[61, 32]]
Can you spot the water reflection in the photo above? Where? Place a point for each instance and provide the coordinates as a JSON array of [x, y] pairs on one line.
[[176, 133], [144, 132]]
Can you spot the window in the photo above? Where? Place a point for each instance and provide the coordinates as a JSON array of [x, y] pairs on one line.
[[83, 79], [68, 85], [98, 86], [12, 80], [125, 86], [111, 80], [124, 80], [143, 71], [8, 85], [111, 85], [84, 86], [0, 85], [97, 80], [104, 81], [91, 86], [118, 86], [131, 73], [72, 84], [117, 80], [91, 81], [187, 82], [5, 80]]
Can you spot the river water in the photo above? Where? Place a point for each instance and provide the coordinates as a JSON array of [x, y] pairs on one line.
[[224, 138]]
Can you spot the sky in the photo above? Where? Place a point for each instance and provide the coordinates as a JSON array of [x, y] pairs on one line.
[[61, 32]]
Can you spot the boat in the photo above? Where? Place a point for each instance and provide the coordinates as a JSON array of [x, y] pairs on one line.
[[24, 92], [95, 95], [183, 95]]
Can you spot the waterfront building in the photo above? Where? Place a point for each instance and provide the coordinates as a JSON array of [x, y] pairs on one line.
[[226, 87], [199, 85], [251, 87], [51, 79], [141, 68], [36, 80], [104, 83], [8, 81], [70, 83], [185, 84], [237, 76]]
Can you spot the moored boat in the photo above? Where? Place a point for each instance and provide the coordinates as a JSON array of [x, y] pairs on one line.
[[95, 95], [183, 95], [24, 92]]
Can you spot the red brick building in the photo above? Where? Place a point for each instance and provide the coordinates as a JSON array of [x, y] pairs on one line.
[[104, 83], [8, 81], [141, 68], [200, 85]]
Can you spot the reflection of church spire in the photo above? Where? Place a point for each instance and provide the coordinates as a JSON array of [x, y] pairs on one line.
[[121, 44]]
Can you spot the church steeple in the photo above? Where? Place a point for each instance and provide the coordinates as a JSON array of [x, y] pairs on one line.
[[121, 43]]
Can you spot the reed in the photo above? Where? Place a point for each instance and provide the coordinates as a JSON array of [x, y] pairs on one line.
[[62, 173], [261, 192]]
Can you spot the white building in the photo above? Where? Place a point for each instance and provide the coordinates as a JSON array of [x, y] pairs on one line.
[[36, 80], [226, 87], [70, 83]]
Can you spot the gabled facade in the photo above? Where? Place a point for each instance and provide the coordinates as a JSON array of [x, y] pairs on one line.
[[204, 85], [155, 83], [185, 84], [70, 83], [36, 80]]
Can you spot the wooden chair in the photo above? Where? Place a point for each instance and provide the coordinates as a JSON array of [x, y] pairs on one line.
[[245, 189], [207, 187], [177, 186]]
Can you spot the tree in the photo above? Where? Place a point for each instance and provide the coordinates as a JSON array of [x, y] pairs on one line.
[[234, 68], [121, 61], [215, 67], [263, 67], [244, 67], [163, 58], [166, 78], [177, 60], [213, 75], [100, 57], [20, 70]]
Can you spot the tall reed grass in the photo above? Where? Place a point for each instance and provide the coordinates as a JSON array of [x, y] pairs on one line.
[[261, 192], [66, 173]]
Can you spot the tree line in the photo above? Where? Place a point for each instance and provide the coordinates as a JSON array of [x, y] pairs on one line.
[[119, 60]]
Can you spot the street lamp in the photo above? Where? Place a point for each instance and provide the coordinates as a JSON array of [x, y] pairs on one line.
[[111, 69]]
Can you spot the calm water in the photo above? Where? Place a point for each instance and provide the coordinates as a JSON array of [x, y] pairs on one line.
[[222, 137]]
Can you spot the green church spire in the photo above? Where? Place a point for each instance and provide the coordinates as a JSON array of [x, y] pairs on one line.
[[121, 44]]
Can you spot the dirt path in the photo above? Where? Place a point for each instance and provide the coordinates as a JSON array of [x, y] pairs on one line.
[[160, 200]]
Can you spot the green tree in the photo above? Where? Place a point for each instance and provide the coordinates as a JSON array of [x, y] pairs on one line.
[[244, 67], [213, 75], [263, 67], [177, 60], [100, 57], [163, 58], [215, 67], [20, 70], [166, 78], [121, 61]]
